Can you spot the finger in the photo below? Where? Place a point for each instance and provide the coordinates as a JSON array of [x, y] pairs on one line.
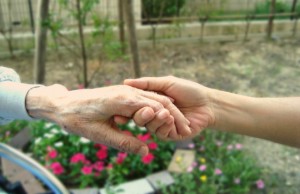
[[163, 131], [161, 118], [128, 107], [182, 124], [143, 116], [115, 138], [121, 119], [158, 84]]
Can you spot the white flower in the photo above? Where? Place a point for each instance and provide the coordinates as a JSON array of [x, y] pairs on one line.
[[37, 140], [58, 144], [84, 140], [48, 125], [143, 128], [131, 124], [54, 131], [48, 135], [64, 132]]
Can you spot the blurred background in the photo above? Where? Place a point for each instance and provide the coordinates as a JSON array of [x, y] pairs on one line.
[[249, 47]]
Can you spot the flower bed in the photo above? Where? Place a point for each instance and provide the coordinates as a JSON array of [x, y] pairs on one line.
[[79, 162], [221, 165]]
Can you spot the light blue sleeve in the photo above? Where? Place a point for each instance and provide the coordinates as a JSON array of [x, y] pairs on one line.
[[12, 96]]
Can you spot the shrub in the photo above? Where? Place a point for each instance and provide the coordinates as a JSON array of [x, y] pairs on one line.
[[161, 8]]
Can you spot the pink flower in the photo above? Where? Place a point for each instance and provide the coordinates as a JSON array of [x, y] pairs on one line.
[[191, 145], [79, 157], [152, 146], [57, 168], [52, 154], [260, 184], [238, 146], [148, 158], [121, 157], [229, 147], [100, 146], [190, 169], [87, 170], [237, 181], [87, 162], [218, 171], [194, 164], [202, 167], [219, 143], [101, 154], [99, 166], [145, 137]]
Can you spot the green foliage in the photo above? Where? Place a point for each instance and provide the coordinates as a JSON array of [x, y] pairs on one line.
[[264, 7], [11, 129], [162, 8], [218, 151], [280, 7], [103, 31]]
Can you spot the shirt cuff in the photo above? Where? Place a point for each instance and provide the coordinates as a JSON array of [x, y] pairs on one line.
[[13, 99]]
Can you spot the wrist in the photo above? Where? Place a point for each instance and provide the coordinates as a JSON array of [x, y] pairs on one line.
[[231, 110], [41, 103]]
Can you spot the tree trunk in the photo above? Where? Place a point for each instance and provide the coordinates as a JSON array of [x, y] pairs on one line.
[[121, 25], [128, 10], [82, 44], [294, 5], [271, 19], [40, 42]]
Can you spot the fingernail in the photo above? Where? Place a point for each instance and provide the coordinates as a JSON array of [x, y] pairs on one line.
[[143, 151]]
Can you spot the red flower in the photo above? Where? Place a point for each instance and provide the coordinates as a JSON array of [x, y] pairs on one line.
[[57, 168], [145, 137], [99, 166], [121, 157], [101, 154], [87, 170], [79, 157], [152, 146], [148, 158], [100, 146], [52, 154]]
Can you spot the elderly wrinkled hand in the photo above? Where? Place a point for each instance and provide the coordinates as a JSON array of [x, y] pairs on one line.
[[90, 112]]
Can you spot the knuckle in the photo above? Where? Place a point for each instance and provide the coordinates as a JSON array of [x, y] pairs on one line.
[[124, 145]]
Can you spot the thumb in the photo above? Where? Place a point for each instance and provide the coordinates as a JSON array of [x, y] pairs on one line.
[[158, 84]]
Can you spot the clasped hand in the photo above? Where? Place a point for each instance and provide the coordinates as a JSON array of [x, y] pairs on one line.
[[94, 113]]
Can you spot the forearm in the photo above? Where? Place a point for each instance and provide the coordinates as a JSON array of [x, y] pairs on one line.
[[275, 119]]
